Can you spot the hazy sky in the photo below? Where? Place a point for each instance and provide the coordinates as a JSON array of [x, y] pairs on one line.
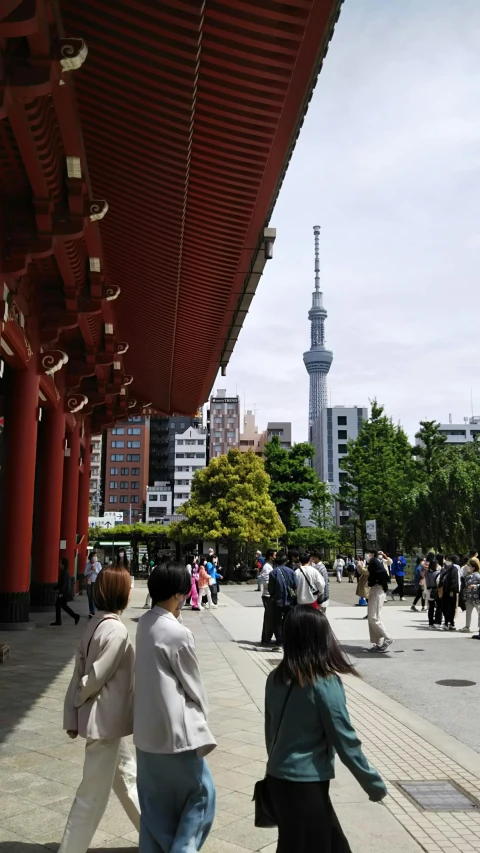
[[388, 163]]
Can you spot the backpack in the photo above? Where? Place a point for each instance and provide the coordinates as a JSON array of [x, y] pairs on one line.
[[449, 580]]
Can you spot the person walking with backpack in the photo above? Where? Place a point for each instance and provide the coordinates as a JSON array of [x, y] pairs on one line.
[[378, 583], [449, 585], [282, 586], [310, 583]]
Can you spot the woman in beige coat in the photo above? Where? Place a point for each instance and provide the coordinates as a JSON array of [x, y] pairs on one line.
[[99, 707]]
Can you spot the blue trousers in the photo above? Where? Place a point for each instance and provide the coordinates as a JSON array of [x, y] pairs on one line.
[[177, 802]]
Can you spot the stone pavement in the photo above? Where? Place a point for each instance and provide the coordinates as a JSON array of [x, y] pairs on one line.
[[40, 768]]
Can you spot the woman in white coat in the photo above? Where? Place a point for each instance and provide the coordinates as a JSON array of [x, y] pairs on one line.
[[99, 707], [171, 734]]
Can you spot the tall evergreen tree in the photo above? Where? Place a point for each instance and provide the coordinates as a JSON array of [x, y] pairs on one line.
[[380, 472], [292, 479]]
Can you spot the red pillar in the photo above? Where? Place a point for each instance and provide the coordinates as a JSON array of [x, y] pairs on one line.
[[71, 472], [20, 443], [46, 541], [83, 506]]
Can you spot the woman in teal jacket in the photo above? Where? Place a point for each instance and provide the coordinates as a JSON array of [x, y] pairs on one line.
[[306, 722]]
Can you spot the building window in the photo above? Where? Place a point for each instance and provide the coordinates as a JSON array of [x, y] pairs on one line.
[[124, 472], [135, 471], [135, 484], [342, 433], [118, 444], [200, 456], [113, 472], [454, 432], [134, 499], [343, 476], [342, 420], [183, 425], [180, 441], [180, 456], [342, 448], [344, 519], [136, 420], [152, 498], [343, 506], [118, 431], [133, 444], [116, 457], [135, 513], [134, 431], [113, 484], [113, 499], [124, 484], [133, 457], [163, 498], [124, 499]]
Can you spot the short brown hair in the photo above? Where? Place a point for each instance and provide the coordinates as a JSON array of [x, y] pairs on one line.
[[111, 590]]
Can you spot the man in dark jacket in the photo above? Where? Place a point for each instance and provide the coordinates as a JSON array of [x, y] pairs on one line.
[[63, 592], [378, 583], [282, 585]]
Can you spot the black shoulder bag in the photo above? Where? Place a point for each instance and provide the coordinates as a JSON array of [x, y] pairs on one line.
[[264, 814], [313, 589]]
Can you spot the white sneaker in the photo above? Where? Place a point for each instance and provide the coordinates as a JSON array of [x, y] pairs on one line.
[[214, 606], [466, 630]]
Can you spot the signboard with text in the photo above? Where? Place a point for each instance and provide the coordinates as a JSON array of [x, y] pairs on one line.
[[371, 529]]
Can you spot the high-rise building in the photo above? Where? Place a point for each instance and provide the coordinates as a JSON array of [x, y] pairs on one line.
[[249, 438], [190, 456], [96, 499], [159, 506], [330, 434], [317, 359], [224, 423], [126, 468], [162, 445]]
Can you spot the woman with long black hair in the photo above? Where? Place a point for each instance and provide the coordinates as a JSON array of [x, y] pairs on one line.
[[306, 722]]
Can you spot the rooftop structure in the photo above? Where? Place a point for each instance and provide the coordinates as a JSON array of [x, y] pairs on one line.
[[317, 359]]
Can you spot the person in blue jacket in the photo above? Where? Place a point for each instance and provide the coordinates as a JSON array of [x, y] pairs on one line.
[[211, 567], [398, 572], [306, 723]]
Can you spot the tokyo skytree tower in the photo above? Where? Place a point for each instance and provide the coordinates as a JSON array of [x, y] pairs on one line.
[[317, 359]]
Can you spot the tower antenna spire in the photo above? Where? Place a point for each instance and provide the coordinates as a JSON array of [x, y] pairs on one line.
[[317, 359]]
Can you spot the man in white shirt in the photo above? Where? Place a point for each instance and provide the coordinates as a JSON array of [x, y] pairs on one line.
[[310, 583], [267, 630], [92, 570], [324, 599]]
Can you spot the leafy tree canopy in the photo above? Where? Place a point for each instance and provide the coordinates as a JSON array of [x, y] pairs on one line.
[[292, 479], [230, 500]]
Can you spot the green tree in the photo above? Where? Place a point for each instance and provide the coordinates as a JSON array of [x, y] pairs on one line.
[[380, 472], [292, 479], [230, 502]]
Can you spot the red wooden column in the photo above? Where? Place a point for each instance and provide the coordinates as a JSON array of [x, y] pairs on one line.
[[20, 443], [46, 541], [71, 473], [83, 505]]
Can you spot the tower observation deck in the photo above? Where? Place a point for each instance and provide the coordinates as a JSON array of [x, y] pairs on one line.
[[317, 359]]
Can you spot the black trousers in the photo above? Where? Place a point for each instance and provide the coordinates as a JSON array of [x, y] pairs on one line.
[[449, 605], [279, 614], [434, 612], [268, 624], [306, 820], [400, 585], [418, 596], [61, 604]]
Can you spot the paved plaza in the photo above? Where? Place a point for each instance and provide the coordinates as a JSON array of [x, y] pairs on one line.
[[40, 768]]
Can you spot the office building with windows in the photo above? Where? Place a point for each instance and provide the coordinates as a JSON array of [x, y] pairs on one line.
[[330, 434], [162, 445], [159, 506], [190, 456], [223, 423], [126, 468], [96, 497], [461, 433]]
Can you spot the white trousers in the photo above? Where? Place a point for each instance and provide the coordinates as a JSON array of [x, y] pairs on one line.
[[205, 590], [376, 600], [108, 764], [470, 608], [339, 575], [148, 601]]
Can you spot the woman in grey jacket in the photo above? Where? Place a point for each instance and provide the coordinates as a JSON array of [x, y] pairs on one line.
[[99, 707], [175, 787]]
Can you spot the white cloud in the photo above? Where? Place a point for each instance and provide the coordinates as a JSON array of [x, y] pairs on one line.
[[388, 163]]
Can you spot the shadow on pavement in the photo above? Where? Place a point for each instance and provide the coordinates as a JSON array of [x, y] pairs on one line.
[[30, 847], [363, 652]]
